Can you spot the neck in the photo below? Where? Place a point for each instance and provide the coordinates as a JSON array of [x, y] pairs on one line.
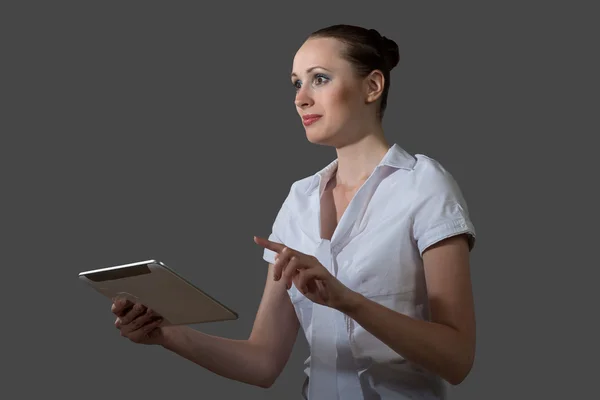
[[357, 160]]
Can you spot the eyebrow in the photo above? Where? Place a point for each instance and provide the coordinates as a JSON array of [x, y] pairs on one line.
[[310, 69]]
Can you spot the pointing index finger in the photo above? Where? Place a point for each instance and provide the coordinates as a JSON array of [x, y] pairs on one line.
[[267, 244]]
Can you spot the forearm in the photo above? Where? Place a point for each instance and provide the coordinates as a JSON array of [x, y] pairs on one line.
[[438, 348], [239, 360]]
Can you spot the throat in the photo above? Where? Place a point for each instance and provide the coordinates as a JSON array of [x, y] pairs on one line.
[[334, 202]]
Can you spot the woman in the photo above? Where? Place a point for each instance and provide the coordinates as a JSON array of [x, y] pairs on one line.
[[370, 256]]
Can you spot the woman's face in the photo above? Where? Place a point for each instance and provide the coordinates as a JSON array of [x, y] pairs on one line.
[[330, 97]]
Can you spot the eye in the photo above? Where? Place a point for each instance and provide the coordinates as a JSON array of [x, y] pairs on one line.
[[321, 79], [318, 79]]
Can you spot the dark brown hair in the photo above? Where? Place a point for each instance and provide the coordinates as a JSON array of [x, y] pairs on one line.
[[367, 50]]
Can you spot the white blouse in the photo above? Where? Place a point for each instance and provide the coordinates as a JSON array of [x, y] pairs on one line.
[[406, 205]]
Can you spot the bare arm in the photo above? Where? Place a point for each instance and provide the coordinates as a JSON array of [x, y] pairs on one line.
[[258, 360], [446, 345]]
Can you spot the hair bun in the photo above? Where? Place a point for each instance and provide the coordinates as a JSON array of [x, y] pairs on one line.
[[389, 49], [391, 52]]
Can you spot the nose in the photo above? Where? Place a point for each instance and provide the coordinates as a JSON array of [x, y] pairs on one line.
[[303, 99]]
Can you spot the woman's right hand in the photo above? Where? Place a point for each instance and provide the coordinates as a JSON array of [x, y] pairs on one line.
[[137, 322]]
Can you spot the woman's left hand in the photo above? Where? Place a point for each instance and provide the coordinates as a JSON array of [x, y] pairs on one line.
[[309, 276]]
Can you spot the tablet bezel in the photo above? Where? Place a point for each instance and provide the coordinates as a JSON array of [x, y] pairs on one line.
[[116, 272]]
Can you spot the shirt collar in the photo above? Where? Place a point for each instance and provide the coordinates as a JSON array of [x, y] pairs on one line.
[[396, 157]]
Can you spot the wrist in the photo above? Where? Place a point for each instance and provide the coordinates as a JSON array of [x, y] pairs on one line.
[[351, 302], [170, 336]]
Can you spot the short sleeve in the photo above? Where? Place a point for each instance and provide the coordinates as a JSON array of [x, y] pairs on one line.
[[441, 210], [277, 232]]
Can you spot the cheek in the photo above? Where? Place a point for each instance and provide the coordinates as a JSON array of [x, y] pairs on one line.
[[342, 100]]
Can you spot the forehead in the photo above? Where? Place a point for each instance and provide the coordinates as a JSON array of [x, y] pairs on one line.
[[324, 52]]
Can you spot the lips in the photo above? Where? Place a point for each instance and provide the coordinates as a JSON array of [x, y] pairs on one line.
[[310, 119]]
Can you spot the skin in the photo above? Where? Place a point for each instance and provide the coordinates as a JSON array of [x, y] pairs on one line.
[[327, 85]]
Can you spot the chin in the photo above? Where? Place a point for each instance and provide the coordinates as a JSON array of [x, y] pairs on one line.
[[325, 141], [319, 136]]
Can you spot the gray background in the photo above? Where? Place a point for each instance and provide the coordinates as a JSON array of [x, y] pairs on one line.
[[136, 130]]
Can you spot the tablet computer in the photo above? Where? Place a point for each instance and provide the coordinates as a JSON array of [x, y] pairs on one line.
[[159, 288]]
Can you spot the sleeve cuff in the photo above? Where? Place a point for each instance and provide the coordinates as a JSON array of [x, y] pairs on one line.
[[269, 255], [446, 230]]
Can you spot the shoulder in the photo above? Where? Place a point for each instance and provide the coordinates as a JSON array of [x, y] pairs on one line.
[[432, 178], [303, 185], [300, 188], [427, 168], [439, 209], [296, 207], [298, 194]]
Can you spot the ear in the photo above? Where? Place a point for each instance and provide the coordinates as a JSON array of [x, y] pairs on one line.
[[374, 84]]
